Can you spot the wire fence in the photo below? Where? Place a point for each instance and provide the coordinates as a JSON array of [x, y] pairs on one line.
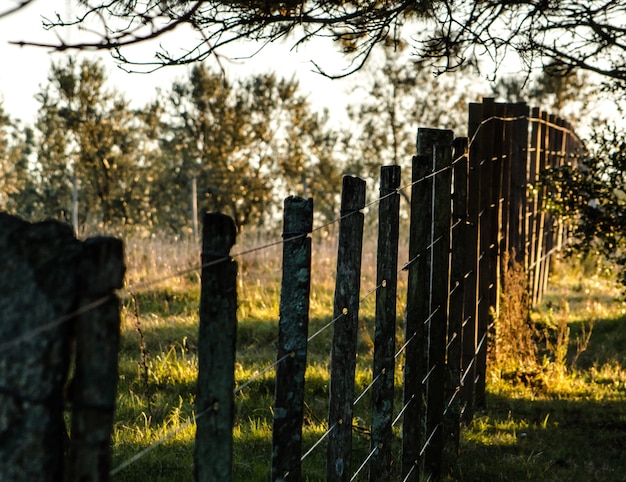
[[483, 191]]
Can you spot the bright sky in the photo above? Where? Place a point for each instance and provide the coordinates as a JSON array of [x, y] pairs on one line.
[[25, 69]]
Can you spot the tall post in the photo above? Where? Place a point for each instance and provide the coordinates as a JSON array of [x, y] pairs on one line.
[[519, 155], [458, 275], [346, 313], [544, 152], [292, 340], [488, 247], [437, 146], [213, 450], [472, 264], [417, 313], [385, 332], [534, 168], [94, 386], [37, 307]]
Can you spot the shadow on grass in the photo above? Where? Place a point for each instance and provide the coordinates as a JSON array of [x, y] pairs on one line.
[[548, 440], [568, 426]]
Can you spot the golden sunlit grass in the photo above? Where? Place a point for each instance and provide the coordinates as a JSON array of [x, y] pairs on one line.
[[564, 421]]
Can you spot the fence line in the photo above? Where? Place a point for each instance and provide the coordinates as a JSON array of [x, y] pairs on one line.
[[181, 272], [480, 344], [540, 235]]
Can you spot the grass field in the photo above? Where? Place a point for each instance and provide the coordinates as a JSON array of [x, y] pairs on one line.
[[557, 421]]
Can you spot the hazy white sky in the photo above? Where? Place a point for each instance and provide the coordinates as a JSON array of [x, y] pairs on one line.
[[24, 69]]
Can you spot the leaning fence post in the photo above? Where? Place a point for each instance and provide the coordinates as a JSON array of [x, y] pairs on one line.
[[292, 340], [97, 332], [385, 333], [346, 311], [216, 351]]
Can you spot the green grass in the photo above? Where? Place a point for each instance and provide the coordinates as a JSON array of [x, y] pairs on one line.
[[565, 422]]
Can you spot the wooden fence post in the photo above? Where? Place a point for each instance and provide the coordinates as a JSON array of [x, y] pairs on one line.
[[437, 146], [417, 313], [346, 312], [213, 450], [539, 133], [97, 332], [533, 193], [37, 302], [472, 263], [499, 220], [292, 340], [427, 305], [458, 274], [385, 332], [488, 247], [519, 156]]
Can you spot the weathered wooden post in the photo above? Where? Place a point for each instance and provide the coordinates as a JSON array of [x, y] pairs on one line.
[[385, 332], [292, 340], [37, 302], [97, 331], [488, 234], [436, 145], [519, 156], [346, 314], [472, 264], [534, 169], [458, 274], [213, 450], [417, 314]]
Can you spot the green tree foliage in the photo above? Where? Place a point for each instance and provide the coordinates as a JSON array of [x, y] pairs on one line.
[[17, 185], [244, 142], [591, 196], [90, 139], [400, 96], [247, 143]]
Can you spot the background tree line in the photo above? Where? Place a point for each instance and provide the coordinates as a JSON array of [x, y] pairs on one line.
[[245, 143]]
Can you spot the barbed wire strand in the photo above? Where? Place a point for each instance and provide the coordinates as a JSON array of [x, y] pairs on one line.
[[410, 472], [402, 410], [427, 443], [405, 344], [423, 450], [367, 388], [457, 390]]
